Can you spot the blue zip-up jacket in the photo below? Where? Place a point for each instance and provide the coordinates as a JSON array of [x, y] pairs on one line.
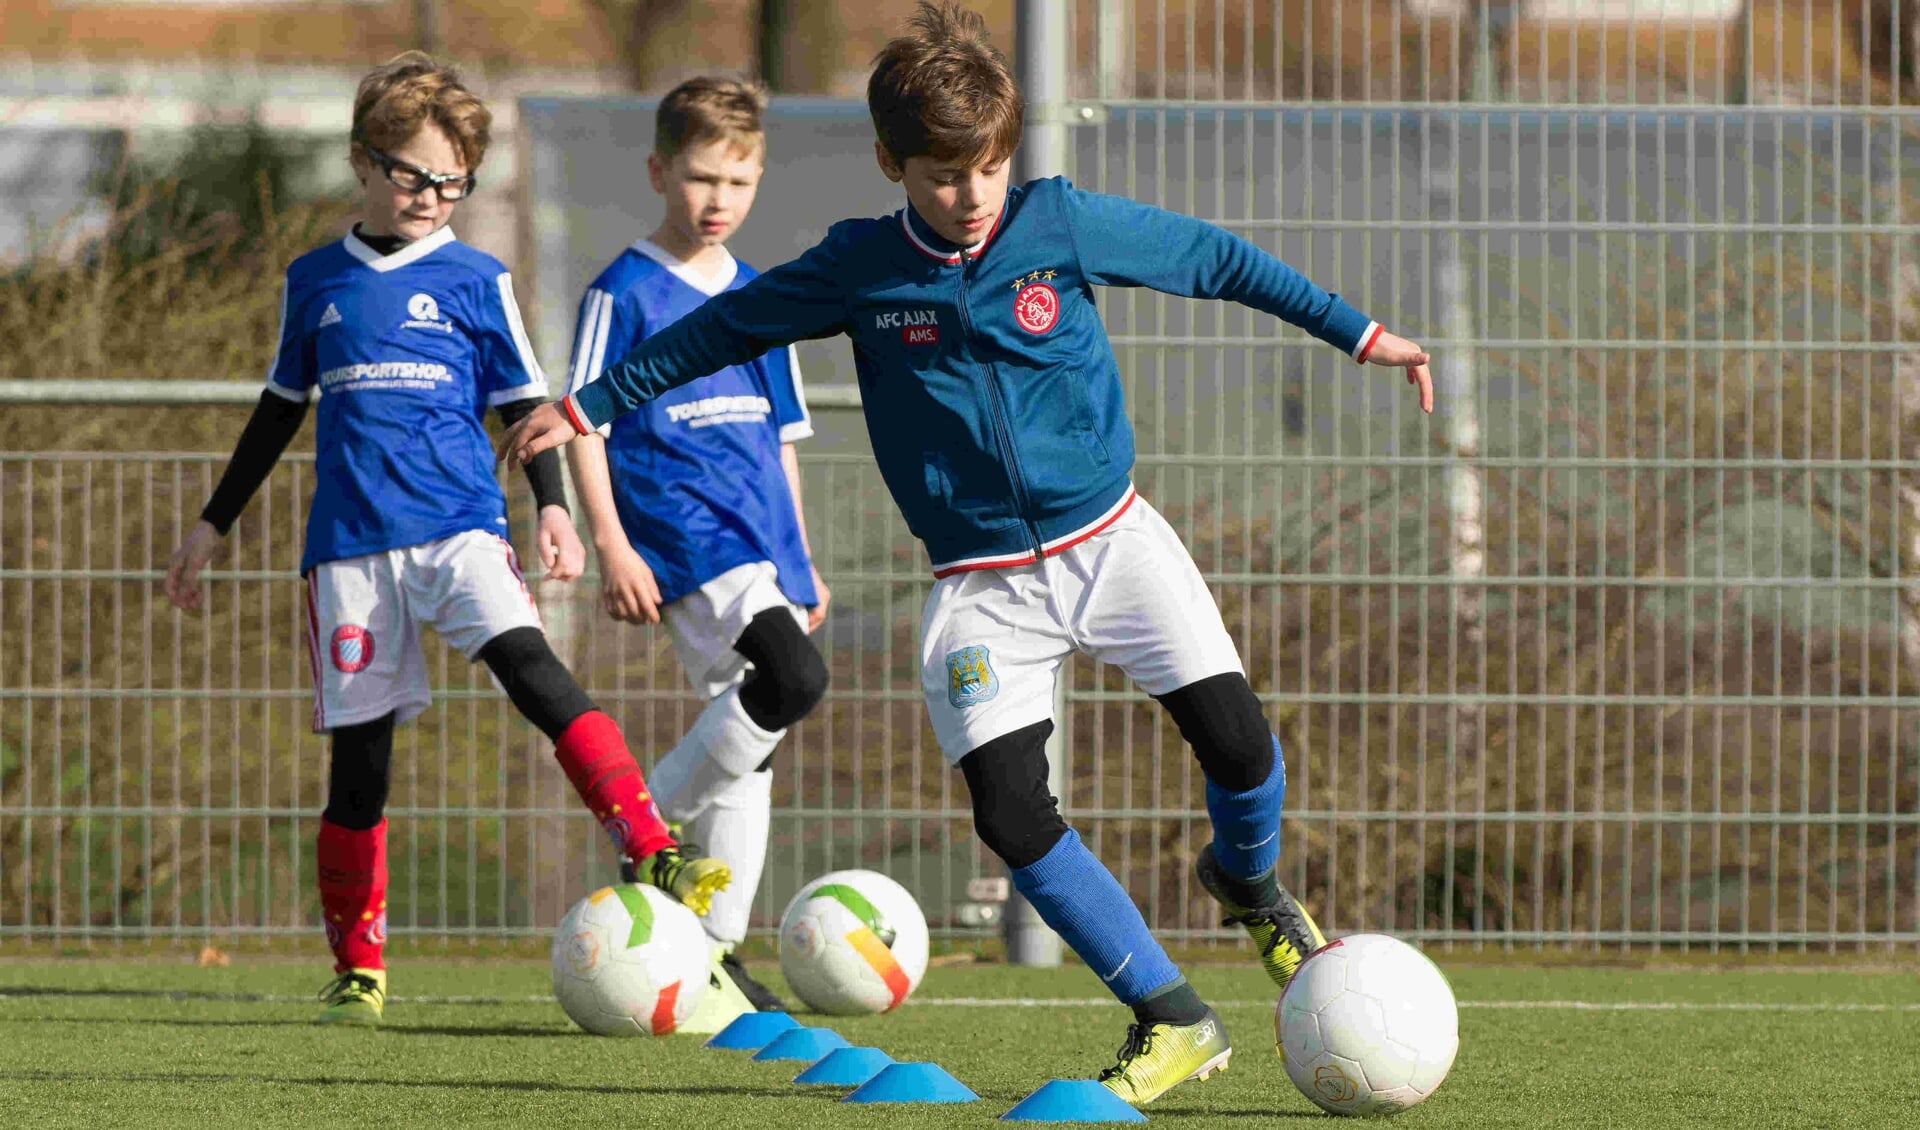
[[991, 392]]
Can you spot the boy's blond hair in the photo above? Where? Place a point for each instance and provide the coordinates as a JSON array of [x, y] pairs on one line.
[[944, 91], [707, 109], [410, 90]]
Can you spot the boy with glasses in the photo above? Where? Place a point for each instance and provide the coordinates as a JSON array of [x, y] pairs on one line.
[[411, 336]]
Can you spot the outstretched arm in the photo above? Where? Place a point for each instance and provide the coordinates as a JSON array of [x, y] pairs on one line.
[[796, 301], [1122, 242]]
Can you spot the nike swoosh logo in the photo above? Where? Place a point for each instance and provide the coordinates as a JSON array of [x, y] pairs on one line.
[[1109, 977], [1250, 847]]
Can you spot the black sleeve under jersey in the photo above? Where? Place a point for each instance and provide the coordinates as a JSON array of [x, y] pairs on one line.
[[275, 421], [543, 474]]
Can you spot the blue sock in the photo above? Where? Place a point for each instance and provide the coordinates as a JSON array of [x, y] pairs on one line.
[[1077, 896], [1246, 826]]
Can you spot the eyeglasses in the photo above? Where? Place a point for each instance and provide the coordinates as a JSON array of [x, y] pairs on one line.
[[414, 179]]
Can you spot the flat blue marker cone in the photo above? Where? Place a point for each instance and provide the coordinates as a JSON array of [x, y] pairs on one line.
[[912, 1083], [751, 1031], [846, 1067], [808, 1045], [1073, 1100]]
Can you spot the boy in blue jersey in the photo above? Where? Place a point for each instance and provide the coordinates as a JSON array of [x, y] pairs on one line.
[[994, 404], [410, 336], [699, 523]]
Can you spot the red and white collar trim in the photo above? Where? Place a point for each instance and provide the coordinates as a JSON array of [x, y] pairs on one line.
[[948, 257], [1056, 546]]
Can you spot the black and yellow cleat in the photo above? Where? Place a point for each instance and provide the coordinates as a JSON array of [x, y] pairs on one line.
[[1284, 931], [1157, 1057], [357, 997], [692, 879]]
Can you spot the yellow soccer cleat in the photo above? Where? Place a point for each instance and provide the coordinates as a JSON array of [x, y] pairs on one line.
[[358, 997], [1157, 1057], [723, 1003], [1284, 932], [692, 879]]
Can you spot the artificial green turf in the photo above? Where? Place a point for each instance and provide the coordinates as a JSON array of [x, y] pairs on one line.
[[146, 1043]]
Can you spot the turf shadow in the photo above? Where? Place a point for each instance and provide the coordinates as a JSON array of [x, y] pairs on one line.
[[516, 1030], [530, 1085], [168, 1021]]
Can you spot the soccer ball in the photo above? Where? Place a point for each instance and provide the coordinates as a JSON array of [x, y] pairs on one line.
[[629, 961], [853, 942], [1367, 1026]]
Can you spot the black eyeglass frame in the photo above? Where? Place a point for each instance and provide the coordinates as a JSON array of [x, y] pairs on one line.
[[465, 183]]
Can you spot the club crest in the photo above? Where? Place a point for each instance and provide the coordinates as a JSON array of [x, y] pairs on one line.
[[970, 677], [351, 648], [1036, 307]]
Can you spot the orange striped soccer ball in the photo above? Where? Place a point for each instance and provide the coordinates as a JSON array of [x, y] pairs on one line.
[[853, 942], [630, 961]]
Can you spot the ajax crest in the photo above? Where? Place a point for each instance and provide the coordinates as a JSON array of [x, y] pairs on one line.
[[1036, 305], [970, 677], [352, 648]]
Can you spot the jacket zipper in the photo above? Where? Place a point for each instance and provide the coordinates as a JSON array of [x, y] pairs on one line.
[[997, 411]]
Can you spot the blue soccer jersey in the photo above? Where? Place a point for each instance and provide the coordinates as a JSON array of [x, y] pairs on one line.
[[408, 351], [696, 474]]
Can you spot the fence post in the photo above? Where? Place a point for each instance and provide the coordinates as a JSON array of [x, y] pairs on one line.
[[1042, 61]]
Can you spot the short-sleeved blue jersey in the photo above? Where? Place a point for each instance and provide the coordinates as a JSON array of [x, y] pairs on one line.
[[696, 474], [408, 351]]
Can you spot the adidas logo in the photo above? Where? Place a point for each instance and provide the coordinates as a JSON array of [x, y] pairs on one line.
[[331, 317]]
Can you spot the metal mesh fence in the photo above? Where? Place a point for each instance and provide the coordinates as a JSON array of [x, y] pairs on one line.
[[1620, 647]]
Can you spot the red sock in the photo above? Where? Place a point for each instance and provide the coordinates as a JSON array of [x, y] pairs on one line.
[[353, 894], [605, 775]]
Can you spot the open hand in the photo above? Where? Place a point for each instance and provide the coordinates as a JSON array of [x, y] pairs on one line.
[[545, 427], [1399, 353]]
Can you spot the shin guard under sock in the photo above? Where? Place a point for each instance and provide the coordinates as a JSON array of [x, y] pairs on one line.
[[353, 893], [603, 772]]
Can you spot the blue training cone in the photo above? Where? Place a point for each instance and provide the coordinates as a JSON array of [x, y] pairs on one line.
[[846, 1067], [912, 1083], [808, 1045], [751, 1031], [1073, 1100]]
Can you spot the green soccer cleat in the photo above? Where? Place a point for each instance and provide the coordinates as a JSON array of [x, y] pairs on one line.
[[1157, 1057], [692, 879], [358, 997], [1285, 932]]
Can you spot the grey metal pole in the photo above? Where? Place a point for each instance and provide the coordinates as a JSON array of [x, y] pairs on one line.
[[1041, 65]]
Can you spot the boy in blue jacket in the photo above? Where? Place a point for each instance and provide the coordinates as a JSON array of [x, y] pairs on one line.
[[994, 405]]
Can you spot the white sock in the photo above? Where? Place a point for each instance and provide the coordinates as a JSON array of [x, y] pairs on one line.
[[722, 746], [733, 828]]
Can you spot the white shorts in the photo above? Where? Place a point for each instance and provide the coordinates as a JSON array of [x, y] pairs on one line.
[[993, 639], [706, 622], [364, 616]]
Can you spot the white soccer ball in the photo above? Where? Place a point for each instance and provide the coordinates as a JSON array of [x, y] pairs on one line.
[[1367, 1026], [630, 961], [853, 942]]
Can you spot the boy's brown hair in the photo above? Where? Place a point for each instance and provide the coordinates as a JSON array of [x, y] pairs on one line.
[[944, 91], [707, 109], [410, 90]]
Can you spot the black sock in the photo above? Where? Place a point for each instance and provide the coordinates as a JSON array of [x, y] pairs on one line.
[[1252, 893], [1172, 1003]]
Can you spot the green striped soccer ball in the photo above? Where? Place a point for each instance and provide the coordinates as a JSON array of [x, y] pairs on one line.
[[853, 942], [629, 961]]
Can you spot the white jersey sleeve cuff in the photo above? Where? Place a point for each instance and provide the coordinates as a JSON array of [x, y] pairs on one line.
[[796, 431], [294, 395], [527, 391]]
